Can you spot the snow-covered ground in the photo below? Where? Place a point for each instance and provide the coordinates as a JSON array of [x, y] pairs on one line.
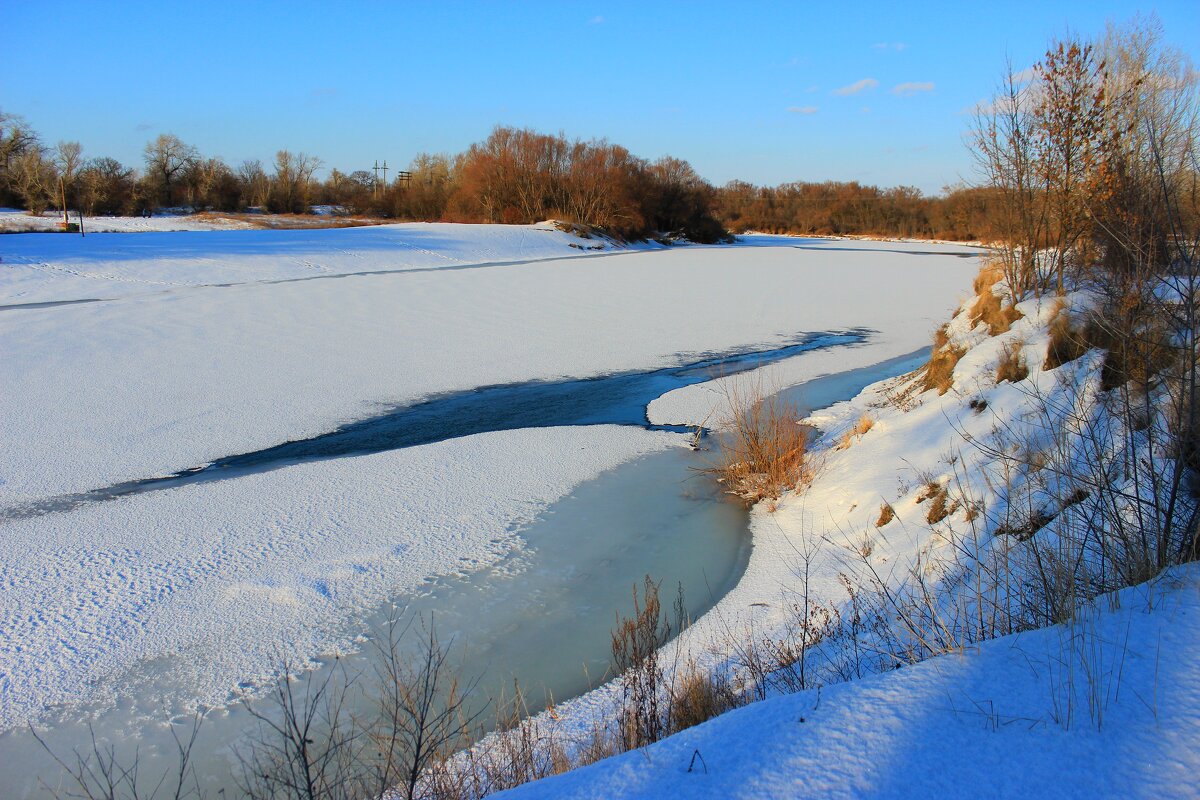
[[16, 221], [173, 253], [206, 344], [1105, 707]]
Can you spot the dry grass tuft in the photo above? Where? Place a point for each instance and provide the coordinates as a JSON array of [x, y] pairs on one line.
[[940, 508], [1067, 342], [1012, 365], [886, 515], [990, 308], [856, 431], [763, 447], [698, 697], [939, 372]]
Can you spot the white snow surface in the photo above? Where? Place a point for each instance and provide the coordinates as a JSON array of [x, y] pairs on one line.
[[216, 581], [1008, 719], [17, 221], [172, 253]]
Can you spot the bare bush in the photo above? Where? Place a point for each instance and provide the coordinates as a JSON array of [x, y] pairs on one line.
[[762, 446]]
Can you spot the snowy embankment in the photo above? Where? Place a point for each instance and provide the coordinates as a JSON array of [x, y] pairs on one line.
[[170, 371], [1106, 707]]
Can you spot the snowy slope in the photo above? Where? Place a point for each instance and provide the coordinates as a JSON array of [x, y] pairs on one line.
[[1009, 719], [1105, 707]]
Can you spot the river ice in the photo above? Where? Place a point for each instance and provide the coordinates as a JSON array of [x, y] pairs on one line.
[[174, 373]]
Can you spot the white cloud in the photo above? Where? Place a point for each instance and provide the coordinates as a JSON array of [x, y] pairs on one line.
[[911, 88], [596, 20], [803, 109], [897, 46], [857, 86]]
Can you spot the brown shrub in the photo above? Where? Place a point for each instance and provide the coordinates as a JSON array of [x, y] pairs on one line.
[[886, 515], [1139, 351], [763, 447], [1012, 365]]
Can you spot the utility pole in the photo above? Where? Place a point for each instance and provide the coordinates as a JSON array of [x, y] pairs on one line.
[[375, 180], [385, 169]]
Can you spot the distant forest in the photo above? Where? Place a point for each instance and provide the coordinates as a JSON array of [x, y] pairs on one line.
[[513, 176]]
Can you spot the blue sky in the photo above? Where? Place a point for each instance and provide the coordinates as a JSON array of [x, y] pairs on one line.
[[765, 92]]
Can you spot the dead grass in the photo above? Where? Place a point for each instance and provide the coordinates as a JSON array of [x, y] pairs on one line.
[[864, 423], [1012, 366], [1067, 342], [699, 696], [940, 507], [989, 307], [886, 515], [763, 447], [991, 310], [939, 372], [290, 221]]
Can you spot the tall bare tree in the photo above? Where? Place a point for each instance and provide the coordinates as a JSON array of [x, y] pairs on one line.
[[167, 158]]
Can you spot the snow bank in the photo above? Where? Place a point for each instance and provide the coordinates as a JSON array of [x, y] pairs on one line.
[[898, 735], [13, 220], [990, 722]]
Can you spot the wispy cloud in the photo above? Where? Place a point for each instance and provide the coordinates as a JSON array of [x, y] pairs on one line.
[[909, 89], [596, 20], [857, 86], [896, 46], [143, 126], [1024, 76], [803, 109]]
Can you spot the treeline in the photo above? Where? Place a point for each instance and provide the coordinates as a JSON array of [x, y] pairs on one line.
[[962, 214], [514, 176]]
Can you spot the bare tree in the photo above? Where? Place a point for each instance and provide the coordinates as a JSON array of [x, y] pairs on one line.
[[167, 158], [67, 159], [255, 183], [32, 177]]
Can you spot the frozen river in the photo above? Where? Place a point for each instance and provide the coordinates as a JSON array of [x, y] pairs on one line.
[[518, 539]]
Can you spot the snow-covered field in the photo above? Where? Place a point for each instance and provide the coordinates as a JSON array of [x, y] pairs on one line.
[[205, 344], [16, 221]]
